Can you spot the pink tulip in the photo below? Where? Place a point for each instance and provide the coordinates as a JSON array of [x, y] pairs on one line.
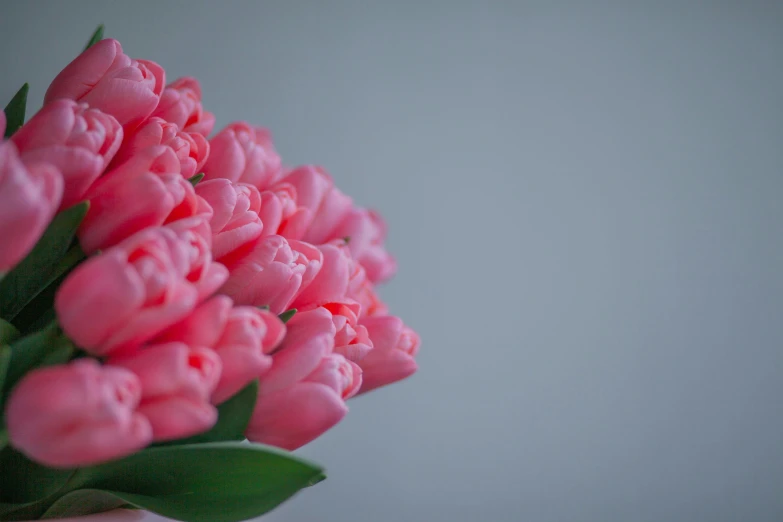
[[371, 303], [366, 232], [320, 205], [202, 327], [311, 184], [270, 272], [107, 79], [128, 294], [278, 204], [242, 336], [362, 291], [79, 141], [309, 338], [340, 280], [235, 221], [304, 393], [77, 414], [344, 377], [243, 153], [392, 357], [249, 337], [330, 284], [351, 339], [180, 104], [198, 267], [146, 191], [176, 383], [29, 197], [191, 148], [334, 207], [329, 289]]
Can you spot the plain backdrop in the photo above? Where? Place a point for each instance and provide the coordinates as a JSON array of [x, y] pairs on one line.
[[585, 199]]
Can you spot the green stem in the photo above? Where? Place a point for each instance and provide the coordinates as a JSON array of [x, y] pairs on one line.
[[38, 309]]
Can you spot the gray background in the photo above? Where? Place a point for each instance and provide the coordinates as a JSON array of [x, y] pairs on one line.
[[585, 200]]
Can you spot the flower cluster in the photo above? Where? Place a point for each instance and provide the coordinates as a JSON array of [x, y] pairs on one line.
[[196, 247]]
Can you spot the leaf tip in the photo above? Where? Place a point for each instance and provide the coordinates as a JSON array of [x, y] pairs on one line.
[[287, 315], [195, 179], [320, 477], [96, 37], [15, 110]]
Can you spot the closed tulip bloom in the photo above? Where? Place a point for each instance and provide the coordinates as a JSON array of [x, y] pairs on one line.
[[78, 140], [191, 148], [303, 395], [270, 272], [331, 282], [77, 414], [371, 303], [180, 104], [203, 326], [366, 232], [248, 338], [362, 291], [29, 197], [198, 266], [131, 292], [177, 381], [243, 153], [242, 336], [309, 338], [351, 339], [392, 357], [277, 205], [187, 204], [235, 221], [321, 207], [138, 194], [344, 377], [144, 192], [107, 79], [329, 289]]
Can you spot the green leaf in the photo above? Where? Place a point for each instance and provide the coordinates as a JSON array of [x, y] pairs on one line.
[[233, 418], [49, 260], [25, 481], [287, 315], [14, 111], [317, 480], [5, 359], [45, 347], [264, 307], [83, 502], [27, 511], [96, 37], [44, 311], [195, 179], [8, 333], [212, 482]]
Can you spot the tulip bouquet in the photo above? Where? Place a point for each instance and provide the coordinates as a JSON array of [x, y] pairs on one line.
[[178, 312]]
